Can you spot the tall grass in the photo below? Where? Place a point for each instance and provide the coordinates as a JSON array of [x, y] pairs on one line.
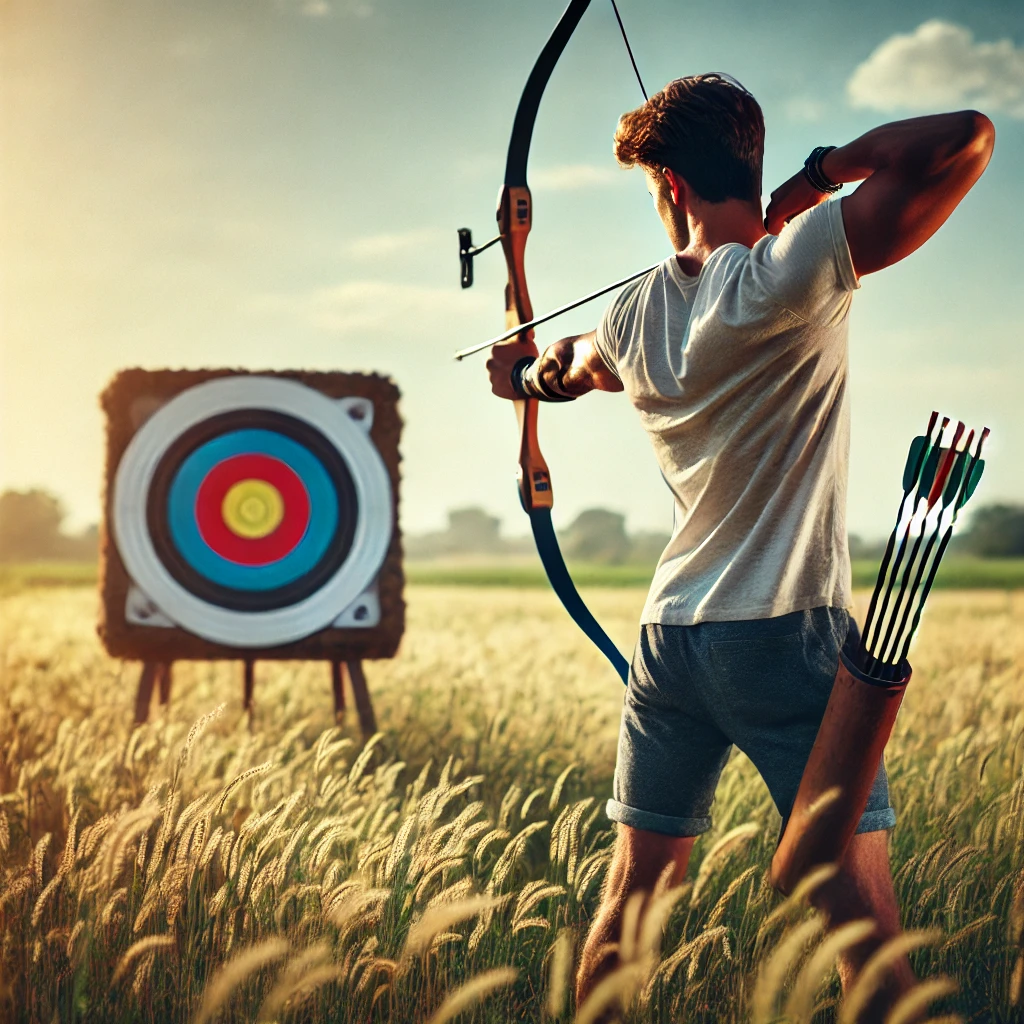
[[192, 870]]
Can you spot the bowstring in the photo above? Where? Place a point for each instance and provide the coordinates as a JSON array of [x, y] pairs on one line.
[[629, 49]]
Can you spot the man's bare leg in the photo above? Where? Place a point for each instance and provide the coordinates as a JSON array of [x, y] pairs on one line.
[[863, 888], [638, 861]]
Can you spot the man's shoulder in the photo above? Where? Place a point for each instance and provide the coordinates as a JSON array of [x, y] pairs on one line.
[[807, 267]]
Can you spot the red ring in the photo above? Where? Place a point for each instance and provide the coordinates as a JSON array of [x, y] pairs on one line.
[[245, 550]]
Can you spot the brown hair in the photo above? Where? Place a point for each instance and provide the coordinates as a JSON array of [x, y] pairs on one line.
[[706, 128]]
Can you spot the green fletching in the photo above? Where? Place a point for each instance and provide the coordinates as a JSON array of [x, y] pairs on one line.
[[927, 477], [917, 446], [956, 475], [972, 483]]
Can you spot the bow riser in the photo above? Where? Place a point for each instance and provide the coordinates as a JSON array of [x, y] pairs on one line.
[[515, 217]]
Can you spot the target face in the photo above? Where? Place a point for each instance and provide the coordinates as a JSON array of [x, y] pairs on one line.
[[253, 510]]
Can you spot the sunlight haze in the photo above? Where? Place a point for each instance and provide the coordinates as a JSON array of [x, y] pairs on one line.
[[278, 185]]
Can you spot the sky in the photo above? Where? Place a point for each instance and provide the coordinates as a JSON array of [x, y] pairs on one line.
[[274, 184]]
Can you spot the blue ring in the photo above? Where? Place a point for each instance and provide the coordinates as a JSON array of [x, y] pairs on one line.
[[323, 511]]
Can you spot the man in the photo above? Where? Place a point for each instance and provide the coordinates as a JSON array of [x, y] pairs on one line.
[[734, 353]]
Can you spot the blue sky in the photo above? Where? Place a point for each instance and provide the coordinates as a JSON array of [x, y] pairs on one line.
[[273, 184]]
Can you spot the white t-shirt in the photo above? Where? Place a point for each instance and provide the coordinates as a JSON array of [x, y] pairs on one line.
[[739, 376]]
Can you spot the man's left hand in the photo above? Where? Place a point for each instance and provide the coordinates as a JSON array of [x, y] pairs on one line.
[[504, 356]]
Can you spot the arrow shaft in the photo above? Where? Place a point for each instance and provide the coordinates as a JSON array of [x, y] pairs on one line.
[[530, 324]]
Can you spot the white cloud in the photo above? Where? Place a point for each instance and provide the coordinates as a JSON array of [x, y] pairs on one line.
[[940, 65], [370, 305], [326, 8], [804, 108], [572, 177], [410, 243]]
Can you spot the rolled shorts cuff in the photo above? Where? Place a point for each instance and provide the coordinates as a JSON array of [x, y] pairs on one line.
[[877, 821], [651, 822]]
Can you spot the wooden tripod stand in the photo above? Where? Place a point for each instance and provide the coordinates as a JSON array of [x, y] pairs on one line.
[[158, 675]]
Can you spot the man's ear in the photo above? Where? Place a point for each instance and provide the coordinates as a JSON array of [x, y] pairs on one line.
[[676, 185]]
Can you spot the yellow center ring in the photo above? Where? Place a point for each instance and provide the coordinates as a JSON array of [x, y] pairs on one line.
[[252, 509]]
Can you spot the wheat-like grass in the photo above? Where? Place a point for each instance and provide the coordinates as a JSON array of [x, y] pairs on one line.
[[800, 1005], [471, 992], [235, 972], [912, 1004], [440, 919], [873, 974], [227, 839], [149, 944], [775, 969]]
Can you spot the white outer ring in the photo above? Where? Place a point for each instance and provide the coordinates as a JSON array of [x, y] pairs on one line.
[[224, 625]]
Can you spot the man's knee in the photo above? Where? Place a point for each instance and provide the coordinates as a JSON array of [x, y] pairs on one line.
[[863, 885], [641, 858]]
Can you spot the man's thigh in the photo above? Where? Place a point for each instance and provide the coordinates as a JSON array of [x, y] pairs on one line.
[[671, 753], [769, 684]]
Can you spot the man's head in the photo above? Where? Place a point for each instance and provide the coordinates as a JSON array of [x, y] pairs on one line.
[[706, 129]]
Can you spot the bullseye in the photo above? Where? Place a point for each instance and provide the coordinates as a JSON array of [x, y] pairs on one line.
[[253, 508], [251, 479]]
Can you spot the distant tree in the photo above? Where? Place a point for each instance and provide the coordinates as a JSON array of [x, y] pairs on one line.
[[82, 547], [996, 531], [647, 546], [597, 535], [30, 524], [472, 529]]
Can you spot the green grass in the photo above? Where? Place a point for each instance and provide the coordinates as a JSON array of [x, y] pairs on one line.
[[18, 575], [960, 573], [955, 573]]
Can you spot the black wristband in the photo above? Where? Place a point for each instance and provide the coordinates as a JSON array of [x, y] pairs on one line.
[[529, 385], [516, 376], [815, 175]]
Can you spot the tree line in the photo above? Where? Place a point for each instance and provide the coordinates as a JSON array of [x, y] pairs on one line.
[[32, 528]]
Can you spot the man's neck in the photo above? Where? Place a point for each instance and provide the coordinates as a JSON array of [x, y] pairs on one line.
[[712, 225]]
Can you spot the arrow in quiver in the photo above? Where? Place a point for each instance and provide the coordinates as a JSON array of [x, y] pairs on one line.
[[251, 516], [941, 473]]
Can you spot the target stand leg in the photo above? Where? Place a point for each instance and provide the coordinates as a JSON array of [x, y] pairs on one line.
[[338, 689], [364, 706], [163, 681], [144, 694], [249, 680]]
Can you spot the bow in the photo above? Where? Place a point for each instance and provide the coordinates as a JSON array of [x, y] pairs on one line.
[[515, 215]]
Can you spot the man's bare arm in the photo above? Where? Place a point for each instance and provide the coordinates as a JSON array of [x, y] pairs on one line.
[[913, 174], [571, 366]]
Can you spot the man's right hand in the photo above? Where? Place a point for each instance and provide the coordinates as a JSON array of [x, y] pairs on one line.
[[792, 197]]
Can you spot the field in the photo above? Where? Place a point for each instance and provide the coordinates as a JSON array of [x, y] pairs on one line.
[[194, 870]]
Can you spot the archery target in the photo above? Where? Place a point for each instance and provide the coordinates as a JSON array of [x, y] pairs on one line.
[[253, 510]]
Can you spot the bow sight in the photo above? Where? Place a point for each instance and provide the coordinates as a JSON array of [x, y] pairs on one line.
[[467, 250]]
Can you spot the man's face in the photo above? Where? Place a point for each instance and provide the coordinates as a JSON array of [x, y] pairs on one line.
[[672, 216]]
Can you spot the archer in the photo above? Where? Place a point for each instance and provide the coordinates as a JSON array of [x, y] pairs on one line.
[[734, 353]]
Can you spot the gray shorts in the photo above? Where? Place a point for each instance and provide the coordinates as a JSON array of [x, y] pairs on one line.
[[694, 691]]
